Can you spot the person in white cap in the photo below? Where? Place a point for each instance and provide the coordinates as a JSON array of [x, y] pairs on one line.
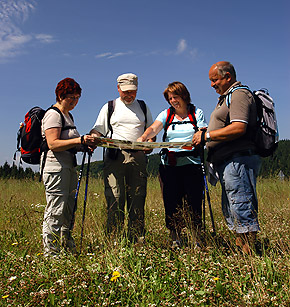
[[125, 175]]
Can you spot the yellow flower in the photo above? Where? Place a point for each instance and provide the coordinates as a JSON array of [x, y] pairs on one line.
[[115, 276], [216, 278], [15, 243], [5, 296]]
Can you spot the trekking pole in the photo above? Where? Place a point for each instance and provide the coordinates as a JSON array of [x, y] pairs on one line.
[[203, 209], [206, 187], [77, 191], [85, 200]]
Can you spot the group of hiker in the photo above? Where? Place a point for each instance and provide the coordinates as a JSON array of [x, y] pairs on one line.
[[228, 138]]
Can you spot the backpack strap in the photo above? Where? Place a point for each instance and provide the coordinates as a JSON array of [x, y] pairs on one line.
[[168, 121], [111, 107], [144, 109], [44, 146], [229, 94], [62, 118], [170, 117], [192, 117]]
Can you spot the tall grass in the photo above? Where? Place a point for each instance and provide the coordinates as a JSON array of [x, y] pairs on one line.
[[149, 275]]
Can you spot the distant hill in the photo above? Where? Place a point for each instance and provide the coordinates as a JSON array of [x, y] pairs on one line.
[[280, 161], [271, 166]]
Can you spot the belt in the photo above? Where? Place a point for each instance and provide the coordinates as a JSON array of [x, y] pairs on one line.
[[242, 153], [131, 150], [248, 152]]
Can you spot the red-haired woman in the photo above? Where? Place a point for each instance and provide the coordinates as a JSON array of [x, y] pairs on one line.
[[59, 173]]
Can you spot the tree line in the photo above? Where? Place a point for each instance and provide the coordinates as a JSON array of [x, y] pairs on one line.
[[271, 166], [7, 171]]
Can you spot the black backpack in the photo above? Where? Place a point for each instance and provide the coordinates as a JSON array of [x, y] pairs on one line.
[[29, 139], [266, 133]]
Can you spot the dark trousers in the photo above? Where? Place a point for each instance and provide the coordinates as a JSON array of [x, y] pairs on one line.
[[182, 190]]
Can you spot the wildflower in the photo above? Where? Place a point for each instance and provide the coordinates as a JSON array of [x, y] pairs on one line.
[[60, 282], [115, 276], [5, 296], [15, 243], [216, 279], [39, 254], [12, 278]]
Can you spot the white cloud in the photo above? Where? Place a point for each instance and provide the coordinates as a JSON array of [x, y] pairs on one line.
[[12, 39], [10, 44], [193, 53], [110, 55], [182, 50], [182, 45], [118, 54], [103, 55], [45, 38]]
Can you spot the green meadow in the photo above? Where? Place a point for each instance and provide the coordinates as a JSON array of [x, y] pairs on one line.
[[112, 272]]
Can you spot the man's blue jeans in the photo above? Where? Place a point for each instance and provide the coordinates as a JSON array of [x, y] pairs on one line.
[[239, 198]]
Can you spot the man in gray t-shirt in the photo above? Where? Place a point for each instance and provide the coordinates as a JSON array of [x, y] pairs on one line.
[[233, 153]]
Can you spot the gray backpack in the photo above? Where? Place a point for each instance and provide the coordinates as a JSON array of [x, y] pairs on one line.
[[266, 134]]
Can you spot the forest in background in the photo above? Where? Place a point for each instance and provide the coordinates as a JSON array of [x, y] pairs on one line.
[[271, 166]]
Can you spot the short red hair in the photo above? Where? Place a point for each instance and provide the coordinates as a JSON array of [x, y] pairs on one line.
[[66, 87]]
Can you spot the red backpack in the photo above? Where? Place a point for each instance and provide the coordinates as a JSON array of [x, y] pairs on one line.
[[29, 139]]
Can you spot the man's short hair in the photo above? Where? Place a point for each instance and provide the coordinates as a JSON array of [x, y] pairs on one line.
[[226, 67]]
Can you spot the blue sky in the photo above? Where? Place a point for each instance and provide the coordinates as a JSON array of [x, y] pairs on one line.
[[42, 42]]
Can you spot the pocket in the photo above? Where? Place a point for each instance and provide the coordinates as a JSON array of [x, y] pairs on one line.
[[112, 153]]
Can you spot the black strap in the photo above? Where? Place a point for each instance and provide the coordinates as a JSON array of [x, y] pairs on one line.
[[62, 118], [110, 112], [144, 109], [44, 147], [202, 138], [111, 106], [42, 165]]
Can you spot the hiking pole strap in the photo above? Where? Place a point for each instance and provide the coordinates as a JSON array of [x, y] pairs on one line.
[[42, 165]]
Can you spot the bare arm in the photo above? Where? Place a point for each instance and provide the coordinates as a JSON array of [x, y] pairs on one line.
[[151, 132], [228, 133], [54, 142]]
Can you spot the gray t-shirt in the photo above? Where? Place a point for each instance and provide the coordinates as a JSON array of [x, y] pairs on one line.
[[242, 109], [63, 159]]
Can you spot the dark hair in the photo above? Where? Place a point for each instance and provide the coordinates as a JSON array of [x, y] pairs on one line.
[[226, 67], [66, 87], [179, 89]]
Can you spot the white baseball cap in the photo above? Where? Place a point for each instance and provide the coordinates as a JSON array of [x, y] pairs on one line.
[[128, 82]]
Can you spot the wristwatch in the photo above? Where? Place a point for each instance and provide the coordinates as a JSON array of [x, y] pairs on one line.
[[208, 139]]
